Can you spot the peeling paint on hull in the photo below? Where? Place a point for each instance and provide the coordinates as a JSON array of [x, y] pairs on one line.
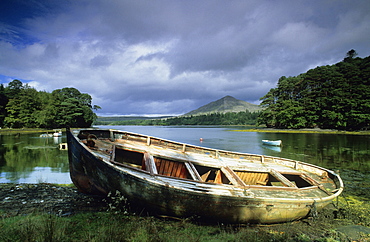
[[181, 180]]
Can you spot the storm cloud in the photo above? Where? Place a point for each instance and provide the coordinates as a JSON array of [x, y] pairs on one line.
[[170, 57]]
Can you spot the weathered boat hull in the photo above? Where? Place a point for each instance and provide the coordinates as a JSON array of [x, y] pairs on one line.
[[171, 196]]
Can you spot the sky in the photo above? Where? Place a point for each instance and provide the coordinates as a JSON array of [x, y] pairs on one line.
[[169, 57]]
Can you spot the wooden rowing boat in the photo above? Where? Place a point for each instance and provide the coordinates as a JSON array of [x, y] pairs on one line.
[[182, 180], [272, 142]]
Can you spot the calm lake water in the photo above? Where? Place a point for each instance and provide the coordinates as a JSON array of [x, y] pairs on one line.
[[29, 158]]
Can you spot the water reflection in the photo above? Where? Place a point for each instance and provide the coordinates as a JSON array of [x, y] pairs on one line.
[[273, 148], [32, 159], [334, 151]]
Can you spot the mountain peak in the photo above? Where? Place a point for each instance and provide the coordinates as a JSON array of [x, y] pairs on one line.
[[229, 98], [225, 105]]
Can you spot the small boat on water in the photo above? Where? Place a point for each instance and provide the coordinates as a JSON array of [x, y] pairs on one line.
[[57, 133], [272, 142], [46, 135], [182, 180]]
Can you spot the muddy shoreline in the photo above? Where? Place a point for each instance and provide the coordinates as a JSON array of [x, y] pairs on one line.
[[25, 199]]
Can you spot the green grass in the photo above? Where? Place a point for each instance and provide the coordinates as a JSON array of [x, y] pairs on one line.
[[109, 227], [112, 226]]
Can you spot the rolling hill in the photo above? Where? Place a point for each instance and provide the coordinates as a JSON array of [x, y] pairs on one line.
[[225, 105]]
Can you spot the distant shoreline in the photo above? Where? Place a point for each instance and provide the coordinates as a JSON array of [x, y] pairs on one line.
[[306, 131], [7, 131]]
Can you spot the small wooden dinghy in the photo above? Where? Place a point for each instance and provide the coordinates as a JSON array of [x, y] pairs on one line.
[[272, 142], [182, 180]]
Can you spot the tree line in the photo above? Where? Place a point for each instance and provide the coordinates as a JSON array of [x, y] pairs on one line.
[[231, 118], [22, 106], [331, 97]]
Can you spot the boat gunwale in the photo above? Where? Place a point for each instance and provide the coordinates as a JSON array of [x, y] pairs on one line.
[[220, 150], [234, 152]]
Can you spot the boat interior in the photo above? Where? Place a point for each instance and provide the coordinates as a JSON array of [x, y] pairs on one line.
[[136, 158]]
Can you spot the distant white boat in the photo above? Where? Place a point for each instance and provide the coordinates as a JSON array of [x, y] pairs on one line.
[[46, 135], [272, 142], [57, 133]]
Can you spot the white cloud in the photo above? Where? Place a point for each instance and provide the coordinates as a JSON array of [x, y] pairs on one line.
[[175, 56]]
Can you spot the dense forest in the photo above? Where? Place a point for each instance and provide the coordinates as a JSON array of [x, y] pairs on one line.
[[331, 97], [231, 118], [22, 106]]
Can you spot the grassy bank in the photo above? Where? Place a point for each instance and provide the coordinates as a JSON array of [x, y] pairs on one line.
[[113, 227], [6, 131], [119, 225]]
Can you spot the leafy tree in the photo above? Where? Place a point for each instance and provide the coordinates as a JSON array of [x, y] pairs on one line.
[[29, 105], [13, 109], [23, 106], [268, 116], [46, 114], [74, 109], [13, 89], [12, 92], [23, 109], [350, 55], [3, 102], [336, 97]]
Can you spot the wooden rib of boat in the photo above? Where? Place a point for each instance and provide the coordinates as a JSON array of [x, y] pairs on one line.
[[182, 180], [272, 142]]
